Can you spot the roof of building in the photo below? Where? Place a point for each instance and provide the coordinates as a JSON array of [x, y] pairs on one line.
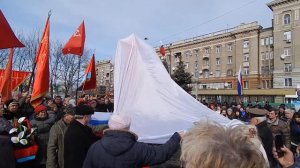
[[278, 2]]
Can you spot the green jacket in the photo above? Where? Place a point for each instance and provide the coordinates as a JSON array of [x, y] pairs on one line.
[[55, 150]]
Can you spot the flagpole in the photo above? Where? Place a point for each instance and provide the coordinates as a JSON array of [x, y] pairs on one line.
[[34, 64], [79, 60]]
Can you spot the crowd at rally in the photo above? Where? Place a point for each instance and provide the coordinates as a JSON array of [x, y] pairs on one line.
[[65, 139]]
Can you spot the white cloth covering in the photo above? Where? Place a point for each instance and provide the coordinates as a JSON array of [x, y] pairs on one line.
[[145, 92]]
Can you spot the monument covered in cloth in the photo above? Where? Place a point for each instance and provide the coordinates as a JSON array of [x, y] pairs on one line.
[[145, 92]]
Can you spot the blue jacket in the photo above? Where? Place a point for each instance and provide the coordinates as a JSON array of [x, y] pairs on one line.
[[121, 149]]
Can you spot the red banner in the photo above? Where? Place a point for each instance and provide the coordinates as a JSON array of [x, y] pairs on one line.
[[90, 76], [41, 80], [17, 78], [7, 37], [75, 45]]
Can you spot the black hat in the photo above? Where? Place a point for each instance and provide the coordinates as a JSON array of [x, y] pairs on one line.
[[84, 110], [11, 101], [69, 110], [258, 111]]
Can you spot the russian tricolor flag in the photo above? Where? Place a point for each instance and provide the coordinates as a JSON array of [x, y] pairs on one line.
[[240, 83]]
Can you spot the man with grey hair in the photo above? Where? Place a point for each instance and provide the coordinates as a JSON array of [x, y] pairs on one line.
[[119, 148], [258, 118]]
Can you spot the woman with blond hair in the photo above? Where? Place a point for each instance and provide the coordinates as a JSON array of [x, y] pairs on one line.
[[211, 145]]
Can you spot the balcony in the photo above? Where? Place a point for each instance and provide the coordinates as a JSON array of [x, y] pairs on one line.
[[205, 67], [205, 56], [245, 64]]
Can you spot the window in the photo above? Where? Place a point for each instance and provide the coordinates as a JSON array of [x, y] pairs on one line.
[[267, 41], [229, 59], [246, 85], [263, 56], [218, 73], [218, 49], [271, 40], [229, 72], [262, 42], [267, 55], [206, 63], [206, 74], [246, 57], [288, 82], [271, 55], [206, 50], [229, 47], [186, 65], [229, 84], [246, 70], [287, 36], [218, 61], [287, 19], [297, 14], [287, 51], [288, 67], [246, 44]]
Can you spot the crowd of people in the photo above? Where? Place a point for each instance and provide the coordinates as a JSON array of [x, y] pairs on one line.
[[66, 140]]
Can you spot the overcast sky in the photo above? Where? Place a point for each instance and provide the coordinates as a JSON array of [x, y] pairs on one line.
[[107, 21]]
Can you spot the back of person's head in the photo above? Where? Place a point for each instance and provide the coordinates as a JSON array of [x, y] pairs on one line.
[[211, 145], [119, 122]]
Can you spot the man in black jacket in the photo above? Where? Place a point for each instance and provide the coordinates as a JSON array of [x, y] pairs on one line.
[[78, 138], [258, 118], [119, 148]]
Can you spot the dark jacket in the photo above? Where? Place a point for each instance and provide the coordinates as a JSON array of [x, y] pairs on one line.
[[55, 149], [121, 149], [26, 109], [42, 136], [265, 134], [78, 139], [7, 159], [280, 127]]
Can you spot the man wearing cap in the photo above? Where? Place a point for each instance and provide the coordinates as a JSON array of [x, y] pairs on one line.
[[78, 137], [119, 148], [258, 118], [12, 110], [55, 149]]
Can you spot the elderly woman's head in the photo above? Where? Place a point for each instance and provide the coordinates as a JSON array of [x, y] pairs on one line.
[[211, 145]]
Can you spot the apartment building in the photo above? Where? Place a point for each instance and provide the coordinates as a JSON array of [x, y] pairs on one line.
[[105, 76], [286, 32], [269, 58]]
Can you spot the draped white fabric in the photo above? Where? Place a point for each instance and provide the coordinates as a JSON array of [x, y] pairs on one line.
[[145, 92]]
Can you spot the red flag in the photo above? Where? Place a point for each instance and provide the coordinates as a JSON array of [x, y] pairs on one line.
[[7, 37], [162, 50], [17, 78], [41, 80], [75, 45], [5, 86], [90, 76]]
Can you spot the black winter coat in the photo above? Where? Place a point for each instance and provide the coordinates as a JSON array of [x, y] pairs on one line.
[[266, 136], [78, 139], [120, 149]]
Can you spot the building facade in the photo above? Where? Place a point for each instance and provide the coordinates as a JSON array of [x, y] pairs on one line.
[[105, 76], [286, 32], [214, 59]]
